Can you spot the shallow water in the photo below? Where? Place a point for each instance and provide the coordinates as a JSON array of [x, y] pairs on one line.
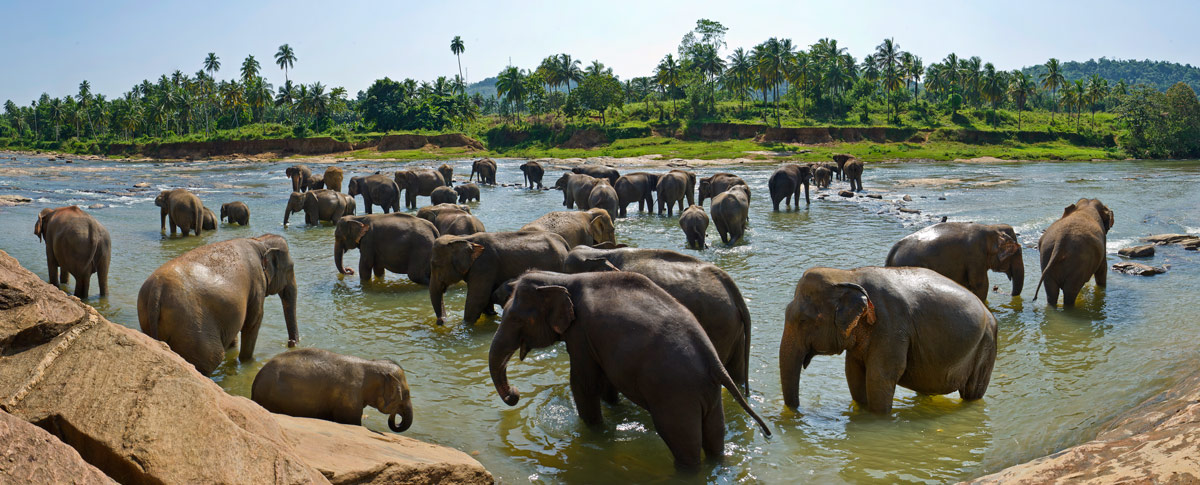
[[1059, 374]]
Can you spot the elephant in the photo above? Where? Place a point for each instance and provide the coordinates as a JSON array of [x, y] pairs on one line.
[[705, 289], [1073, 250], [447, 174], [299, 175], [906, 326], [76, 245], [599, 171], [691, 185], [467, 192], [485, 261], [533, 173], [672, 189], [210, 220], [418, 182], [452, 219], [604, 196], [636, 187], [236, 212], [839, 161], [718, 183], [623, 334], [731, 213], [444, 195], [333, 179], [184, 208], [486, 168], [593, 226], [378, 190], [964, 252], [576, 189], [315, 181], [694, 223], [315, 383], [853, 171], [319, 205], [785, 184], [397, 242], [822, 176], [198, 302]]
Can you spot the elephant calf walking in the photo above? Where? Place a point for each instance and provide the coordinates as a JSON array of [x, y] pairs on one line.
[[1073, 250], [76, 245]]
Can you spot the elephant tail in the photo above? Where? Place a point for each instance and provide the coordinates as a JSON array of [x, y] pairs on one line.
[[727, 383], [1053, 258]]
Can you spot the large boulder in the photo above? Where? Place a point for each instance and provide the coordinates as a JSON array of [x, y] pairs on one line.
[[28, 454]]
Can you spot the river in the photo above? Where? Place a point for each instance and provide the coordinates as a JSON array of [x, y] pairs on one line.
[[1059, 374]]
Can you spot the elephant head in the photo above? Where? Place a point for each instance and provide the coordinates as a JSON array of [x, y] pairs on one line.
[[1103, 215], [1004, 256], [280, 274], [390, 395], [295, 204], [352, 187], [346, 236], [401, 178], [42, 225], [225, 211], [601, 226], [705, 191], [296, 173], [561, 183], [452, 258], [536, 316], [826, 317], [161, 199]]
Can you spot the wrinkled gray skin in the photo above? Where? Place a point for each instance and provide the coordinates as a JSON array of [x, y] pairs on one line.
[[672, 189], [822, 176], [636, 187], [444, 195], [235, 212], [785, 184], [183, 207], [909, 327], [447, 174], [299, 175], [418, 182], [604, 196], [731, 213], [319, 205], [76, 245], [576, 189], [333, 179], [210, 220], [599, 171], [717, 183], [319, 384], [396, 242], [533, 172], [486, 168], [623, 333], [854, 172], [199, 302], [1073, 250], [315, 181], [593, 226], [377, 190], [839, 161], [694, 223], [485, 261], [467, 192], [451, 219], [705, 289], [964, 252]]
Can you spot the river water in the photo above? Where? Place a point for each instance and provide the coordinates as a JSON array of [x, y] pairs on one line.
[[1059, 376]]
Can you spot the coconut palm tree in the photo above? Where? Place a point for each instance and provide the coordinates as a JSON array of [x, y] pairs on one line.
[[285, 58], [511, 84], [668, 74], [250, 68], [1053, 79], [887, 56], [914, 67], [85, 102], [569, 70], [737, 77], [1020, 87], [596, 68], [212, 64], [993, 86], [457, 47], [1097, 90]]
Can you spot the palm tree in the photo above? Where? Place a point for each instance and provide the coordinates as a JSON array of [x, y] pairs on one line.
[[708, 63], [512, 86], [738, 75], [1053, 79], [1097, 90], [596, 68], [85, 101], [568, 70], [914, 67], [1020, 88], [457, 47], [212, 64], [285, 58], [667, 73], [250, 68], [971, 72], [56, 114], [993, 86], [887, 55], [953, 74]]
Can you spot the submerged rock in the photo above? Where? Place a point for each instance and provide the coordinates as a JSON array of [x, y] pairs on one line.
[[1129, 267], [1143, 251], [846, 193], [875, 196], [1185, 240], [7, 200], [142, 184], [909, 211]]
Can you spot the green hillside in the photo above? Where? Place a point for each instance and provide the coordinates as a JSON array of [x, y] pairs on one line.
[[1159, 74]]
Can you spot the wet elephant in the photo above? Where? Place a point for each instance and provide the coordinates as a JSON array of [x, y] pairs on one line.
[[315, 181], [672, 189], [853, 173], [636, 187], [839, 161], [785, 184], [599, 171], [447, 174], [467, 192], [694, 223], [593, 226], [210, 220], [533, 173], [319, 205], [236, 213], [1073, 250], [576, 189], [396, 242], [731, 213], [486, 168], [418, 182], [718, 183], [443, 195], [376, 189], [299, 174], [604, 196], [822, 176], [452, 219], [76, 245], [184, 209], [333, 179], [964, 252]]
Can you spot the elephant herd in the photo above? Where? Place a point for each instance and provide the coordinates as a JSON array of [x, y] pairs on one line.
[[664, 329]]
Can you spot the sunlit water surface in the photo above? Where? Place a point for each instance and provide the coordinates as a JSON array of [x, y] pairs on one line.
[[1059, 374]]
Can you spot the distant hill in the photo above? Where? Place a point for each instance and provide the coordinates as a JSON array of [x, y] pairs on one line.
[[486, 87], [1159, 74]]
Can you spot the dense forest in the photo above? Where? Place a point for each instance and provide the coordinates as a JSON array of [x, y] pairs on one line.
[[1159, 75]]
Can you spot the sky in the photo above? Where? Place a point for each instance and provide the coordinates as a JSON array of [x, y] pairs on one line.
[[50, 46]]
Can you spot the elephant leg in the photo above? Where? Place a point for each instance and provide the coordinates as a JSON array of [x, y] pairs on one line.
[[881, 381], [250, 326], [587, 385], [981, 375], [680, 429], [738, 366], [1051, 292], [713, 432], [856, 379], [479, 299], [366, 264], [1070, 294], [52, 268], [367, 202], [102, 276], [378, 269], [347, 415], [1101, 275], [609, 393], [82, 282]]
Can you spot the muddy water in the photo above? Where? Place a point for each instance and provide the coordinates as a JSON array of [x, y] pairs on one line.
[[1059, 375]]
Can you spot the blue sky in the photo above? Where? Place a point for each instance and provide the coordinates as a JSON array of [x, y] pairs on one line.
[[50, 46]]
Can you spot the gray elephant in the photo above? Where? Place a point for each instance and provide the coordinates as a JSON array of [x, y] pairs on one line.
[[418, 182], [705, 289], [691, 185], [299, 175], [718, 183], [1074, 249], [822, 176], [623, 333], [76, 245], [210, 220], [319, 384], [467, 192], [603, 196], [199, 302], [319, 205], [236, 213], [593, 226], [486, 168], [447, 173], [396, 242], [636, 187], [378, 190], [599, 171], [731, 213], [964, 252], [694, 223], [315, 181], [485, 261], [533, 173], [853, 171], [839, 162], [898, 326], [576, 189], [333, 179], [452, 219], [672, 189], [785, 184], [444, 195], [184, 209]]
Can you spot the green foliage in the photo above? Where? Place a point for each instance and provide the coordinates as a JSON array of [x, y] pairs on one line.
[[1157, 74], [1161, 125], [599, 93]]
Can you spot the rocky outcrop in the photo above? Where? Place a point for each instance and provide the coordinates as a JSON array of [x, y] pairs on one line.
[[1139, 269], [1188, 241], [134, 409], [28, 454], [1143, 251]]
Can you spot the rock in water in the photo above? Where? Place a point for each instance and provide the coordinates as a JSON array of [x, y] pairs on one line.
[[907, 198], [1129, 267], [909, 211], [846, 193], [142, 184], [7, 200], [1182, 239], [875, 196], [1143, 251]]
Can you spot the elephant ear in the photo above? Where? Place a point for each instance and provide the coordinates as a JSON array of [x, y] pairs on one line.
[[853, 307], [358, 230], [556, 303], [600, 265], [1003, 246], [270, 263], [463, 259], [1106, 215], [37, 226], [1068, 210]]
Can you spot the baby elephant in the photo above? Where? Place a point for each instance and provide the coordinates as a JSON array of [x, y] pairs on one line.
[[467, 193], [315, 383], [235, 212], [694, 223], [210, 220], [443, 195]]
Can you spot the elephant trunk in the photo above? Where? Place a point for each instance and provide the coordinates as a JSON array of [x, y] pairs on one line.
[[338, 251], [793, 357], [406, 419], [504, 345], [288, 297], [1016, 273], [287, 213], [437, 289]]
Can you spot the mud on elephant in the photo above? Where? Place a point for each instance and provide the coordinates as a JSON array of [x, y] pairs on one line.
[[77, 245]]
